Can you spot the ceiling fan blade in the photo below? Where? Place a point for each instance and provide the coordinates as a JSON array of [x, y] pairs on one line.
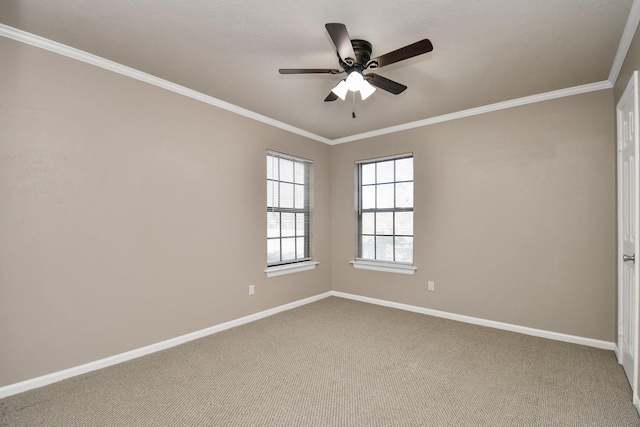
[[331, 97], [342, 41], [414, 49], [385, 84], [308, 71]]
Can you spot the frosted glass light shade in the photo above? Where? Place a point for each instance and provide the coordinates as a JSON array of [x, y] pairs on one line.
[[354, 81], [341, 90], [366, 90]]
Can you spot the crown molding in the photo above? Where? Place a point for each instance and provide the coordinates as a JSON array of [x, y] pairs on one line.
[[625, 42], [61, 49], [576, 90]]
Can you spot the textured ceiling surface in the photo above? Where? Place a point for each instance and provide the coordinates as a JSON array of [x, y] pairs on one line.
[[484, 51]]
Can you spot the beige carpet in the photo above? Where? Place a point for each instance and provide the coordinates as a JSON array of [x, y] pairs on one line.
[[343, 363]]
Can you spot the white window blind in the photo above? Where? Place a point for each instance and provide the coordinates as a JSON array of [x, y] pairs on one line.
[[288, 212]]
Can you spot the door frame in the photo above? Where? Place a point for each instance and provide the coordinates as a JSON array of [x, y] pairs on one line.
[[632, 87]]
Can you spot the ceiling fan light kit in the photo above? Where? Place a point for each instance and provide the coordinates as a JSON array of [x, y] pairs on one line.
[[354, 58], [355, 82]]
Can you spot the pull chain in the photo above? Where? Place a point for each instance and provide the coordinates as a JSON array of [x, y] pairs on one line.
[[353, 103]]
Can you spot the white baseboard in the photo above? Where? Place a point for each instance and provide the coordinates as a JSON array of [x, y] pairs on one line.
[[23, 386], [163, 345], [636, 403], [605, 345]]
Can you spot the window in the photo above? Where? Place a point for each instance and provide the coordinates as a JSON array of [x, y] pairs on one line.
[[385, 210], [287, 209]]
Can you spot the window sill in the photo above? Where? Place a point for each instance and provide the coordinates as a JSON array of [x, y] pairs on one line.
[[384, 266], [279, 270]]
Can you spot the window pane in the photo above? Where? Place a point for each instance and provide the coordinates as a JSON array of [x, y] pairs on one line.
[[300, 224], [369, 197], [273, 224], [369, 174], [404, 169], [384, 223], [404, 195], [286, 195], [367, 248], [272, 194], [299, 173], [404, 223], [385, 171], [272, 167], [300, 248], [384, 248], [386, 210], [273, 250], [299, 196], [367, 223], [286, 170], [404, 249], [288, 248], [288, 224], [385, 196]]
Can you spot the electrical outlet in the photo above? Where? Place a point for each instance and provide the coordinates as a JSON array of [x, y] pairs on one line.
[[252, 289], [431, 286]]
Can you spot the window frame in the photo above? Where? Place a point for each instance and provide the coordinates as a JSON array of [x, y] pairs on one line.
[[376, 263], [290, 265]]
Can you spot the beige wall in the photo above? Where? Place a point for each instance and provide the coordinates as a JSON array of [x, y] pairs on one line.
[[514, 216], [129, 214], [116, 229]]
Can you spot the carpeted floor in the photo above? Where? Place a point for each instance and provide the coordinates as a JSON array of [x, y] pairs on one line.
[[338, 362]]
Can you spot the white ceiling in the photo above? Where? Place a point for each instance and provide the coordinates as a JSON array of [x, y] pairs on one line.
[[485, 51]]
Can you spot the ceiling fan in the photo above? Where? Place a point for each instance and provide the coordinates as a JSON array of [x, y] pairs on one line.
[[354, 58]]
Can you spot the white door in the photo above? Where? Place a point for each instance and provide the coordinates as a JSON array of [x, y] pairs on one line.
[[627, 118]]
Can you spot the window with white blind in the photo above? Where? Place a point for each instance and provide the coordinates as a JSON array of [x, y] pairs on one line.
[[385, 211], [287, 210]]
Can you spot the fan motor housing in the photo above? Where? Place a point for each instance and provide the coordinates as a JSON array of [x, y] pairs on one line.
[[362, 49]]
